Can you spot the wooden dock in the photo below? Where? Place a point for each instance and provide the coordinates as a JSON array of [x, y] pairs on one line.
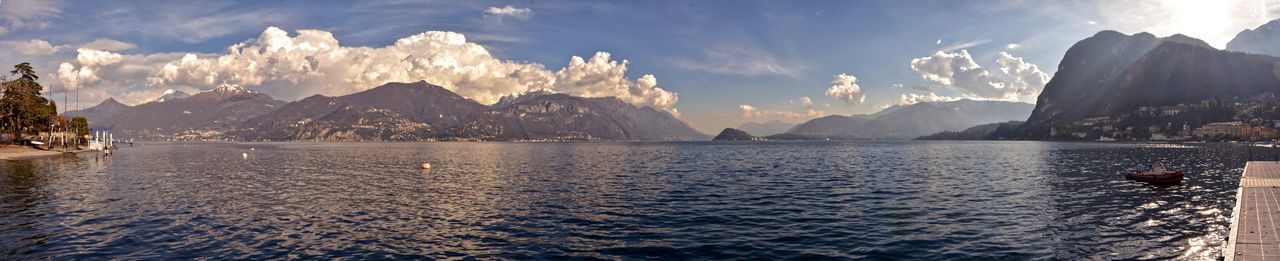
[[1255, 221]]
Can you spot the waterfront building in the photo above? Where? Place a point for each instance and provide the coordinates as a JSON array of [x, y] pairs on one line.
[[1233, 129]]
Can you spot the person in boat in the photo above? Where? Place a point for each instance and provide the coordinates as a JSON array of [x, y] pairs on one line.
[[1157, 167]]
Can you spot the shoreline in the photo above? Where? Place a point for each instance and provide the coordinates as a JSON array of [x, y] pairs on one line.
[[18, 152]]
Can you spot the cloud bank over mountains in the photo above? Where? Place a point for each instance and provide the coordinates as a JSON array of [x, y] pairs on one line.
[[753, 114], [314, 62]]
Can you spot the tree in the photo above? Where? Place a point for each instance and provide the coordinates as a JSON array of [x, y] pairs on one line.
[[80, 125], [21, 107]]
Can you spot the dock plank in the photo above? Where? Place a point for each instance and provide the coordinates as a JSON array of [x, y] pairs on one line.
[[1255, 221]]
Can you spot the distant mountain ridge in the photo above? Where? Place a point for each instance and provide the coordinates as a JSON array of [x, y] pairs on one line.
[[767, 128], [1261, 40], [565, 117], [391, 112], [517, 98], [990, 131], [909, 121], [210, 113], [98, 113]]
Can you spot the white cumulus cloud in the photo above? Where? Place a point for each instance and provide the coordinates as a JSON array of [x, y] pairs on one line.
[[102, 72], [90, 57], [35, 47], [600, 76], [912, 98], [314, 62], [845, 87], [958, 71], [804, 101], [508, 11], [1022, 72], [747, 110]]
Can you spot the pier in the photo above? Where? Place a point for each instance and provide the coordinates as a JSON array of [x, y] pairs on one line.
[[1255, 220]]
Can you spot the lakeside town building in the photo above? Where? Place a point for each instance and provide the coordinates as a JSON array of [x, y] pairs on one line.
[[1236, 129]]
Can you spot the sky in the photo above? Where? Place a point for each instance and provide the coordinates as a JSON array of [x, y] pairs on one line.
[[713, 64]]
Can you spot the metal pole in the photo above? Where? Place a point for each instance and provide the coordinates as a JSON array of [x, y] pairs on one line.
[[64, 112]]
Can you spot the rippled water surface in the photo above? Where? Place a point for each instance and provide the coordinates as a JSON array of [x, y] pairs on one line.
[[689, 200]]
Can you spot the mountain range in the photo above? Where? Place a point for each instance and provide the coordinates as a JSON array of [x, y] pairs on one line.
[[1111, 74], [208, 114], [394, 111], [767, 128], [990, 131], [391, 112], [909, 121]]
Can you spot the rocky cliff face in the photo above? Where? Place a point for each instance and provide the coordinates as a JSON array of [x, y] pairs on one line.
[[1112, 73], [1261, 40], [1087, 68]]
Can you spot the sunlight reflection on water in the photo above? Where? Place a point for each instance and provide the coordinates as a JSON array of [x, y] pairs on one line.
[[680, 200]]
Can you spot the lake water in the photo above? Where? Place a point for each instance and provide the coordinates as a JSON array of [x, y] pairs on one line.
[[923, 200]]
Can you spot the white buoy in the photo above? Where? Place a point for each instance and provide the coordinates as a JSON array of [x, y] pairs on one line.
[[244, 155], [426, 165], [250, 148]]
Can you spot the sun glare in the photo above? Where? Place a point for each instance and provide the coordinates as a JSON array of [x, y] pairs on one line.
[[1208, 19]]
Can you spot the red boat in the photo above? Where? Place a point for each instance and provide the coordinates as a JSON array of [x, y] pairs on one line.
[[1156, 173]]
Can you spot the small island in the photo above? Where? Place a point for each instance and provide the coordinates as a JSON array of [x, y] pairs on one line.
[[735, 134]]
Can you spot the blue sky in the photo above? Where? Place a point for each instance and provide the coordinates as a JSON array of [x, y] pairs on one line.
[[727, 61]]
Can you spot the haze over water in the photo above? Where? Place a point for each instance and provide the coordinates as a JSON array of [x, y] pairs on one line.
[[879, 200]]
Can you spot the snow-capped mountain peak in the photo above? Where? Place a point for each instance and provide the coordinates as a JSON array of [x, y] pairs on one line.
[[231, 88], [171, 94]]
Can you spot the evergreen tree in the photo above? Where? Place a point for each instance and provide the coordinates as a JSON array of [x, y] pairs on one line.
[[21, 106]]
